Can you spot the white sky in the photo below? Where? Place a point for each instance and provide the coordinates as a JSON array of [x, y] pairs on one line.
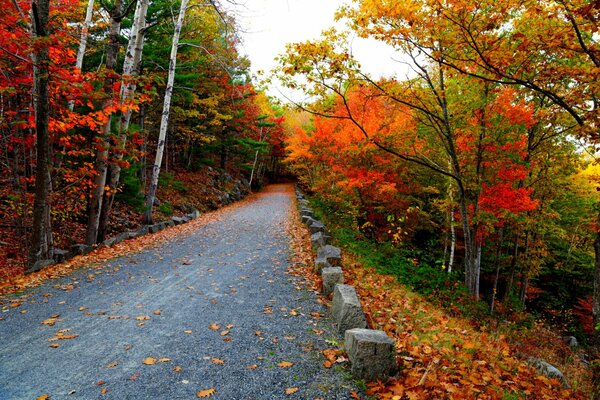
[[268, 25]]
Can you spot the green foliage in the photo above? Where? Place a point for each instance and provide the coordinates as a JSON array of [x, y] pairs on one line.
[[131, 191], [167, 180], [166, 208]]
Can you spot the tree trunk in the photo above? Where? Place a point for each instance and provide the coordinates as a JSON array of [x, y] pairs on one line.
[[133, 57], [165, 114], [101, 166], [596, 319], [83, 41], [496, 277], [41, 240]]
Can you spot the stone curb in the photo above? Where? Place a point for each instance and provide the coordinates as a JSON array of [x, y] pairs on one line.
[[371, 352], [83, 249]]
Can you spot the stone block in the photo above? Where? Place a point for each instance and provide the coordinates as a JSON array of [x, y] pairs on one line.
[[332, 254], [548, 370], [169, 223], [331, 276], [318, 240], [316, 226], [346, 309], [372, 354], [39, 265], [110, 241], [81, 249], [142, 230], [194, 214], [307, 219], [178, 220], [60, 255], [320, 264], [154, 228]]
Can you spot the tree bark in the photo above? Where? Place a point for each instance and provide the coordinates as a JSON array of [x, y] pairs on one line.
[[41, 240], [165, 114], [83, 41], [101, 165]]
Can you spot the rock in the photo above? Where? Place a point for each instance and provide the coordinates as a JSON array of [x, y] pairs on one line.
[[548, 370], [110, 241], [81, 249], [142, 230], [317, 226], [169, 223], [320, 264], [346, 309], [332, 254], [154, 228], [372, 354], [178, 220], [60, 255], [194, 214], [163, 225], [570, 341], [331, 277], [122, 236], [308, 220], [39, 265], [318, 240], [157, 202]]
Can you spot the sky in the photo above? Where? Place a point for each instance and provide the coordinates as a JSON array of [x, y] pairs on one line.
[[267, 25]]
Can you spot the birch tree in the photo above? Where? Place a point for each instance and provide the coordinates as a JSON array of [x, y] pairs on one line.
[[83, 41], [165, 114], [133, 57]]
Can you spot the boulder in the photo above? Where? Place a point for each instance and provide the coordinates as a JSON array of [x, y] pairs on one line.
[[332, 254], [570, 341], [548, 370], [331, 276], [81, 249], [39, 265], [142, 230], [110, 241], [318, 240], [154, 228], [372, 354], [346, 309], [169, 223], [194, 214]]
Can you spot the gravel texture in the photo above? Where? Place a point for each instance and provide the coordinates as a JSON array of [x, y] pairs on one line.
[[160, 303]]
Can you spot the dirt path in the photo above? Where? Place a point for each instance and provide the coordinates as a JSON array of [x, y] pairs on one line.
[[211, 310]]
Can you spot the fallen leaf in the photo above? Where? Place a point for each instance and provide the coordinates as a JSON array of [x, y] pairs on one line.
[[104, 390], [43, 397], [327, 364], [100, 383], [142, 318], [206, 393], [54, 345], [291, 390], [214, 327], [82, 308], [134, 376], [164, 360], [112, 364], [294, 313], [217, 361], [177, 368], [157, 312], [227, 339], [285, 364], [225, 333], [253, 366], [230, 326], [149, 361], [188, 331]]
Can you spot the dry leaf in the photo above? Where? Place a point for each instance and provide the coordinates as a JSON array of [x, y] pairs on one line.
[[82, 308], [177, 368], [217, 361], [134, 376], [188, 331], [104, 390], [230, 326], [157, 312], [43, 397], [214, 327], [112, 364], [54, 345], [206, 393], [253, 366], [100, 383], [149, 361], [225, 333], [291, 390], [285, 364], [142, 318], [164, 360]]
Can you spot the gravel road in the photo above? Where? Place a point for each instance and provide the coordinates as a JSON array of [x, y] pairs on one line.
[[214, 310]]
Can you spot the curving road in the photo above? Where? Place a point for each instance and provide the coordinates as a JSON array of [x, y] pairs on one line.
[[212, 311]]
